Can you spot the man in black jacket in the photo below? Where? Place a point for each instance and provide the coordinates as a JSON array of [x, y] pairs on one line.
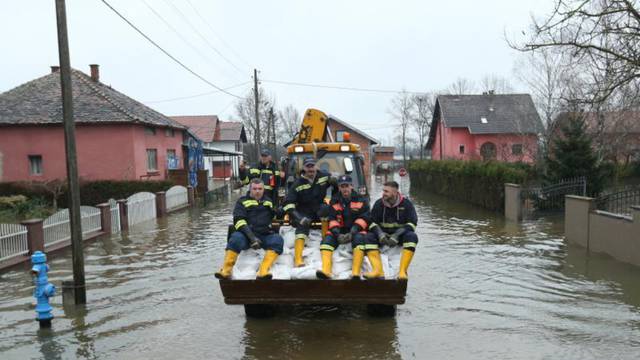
[[267, 170], [393, 222], [252, 217]]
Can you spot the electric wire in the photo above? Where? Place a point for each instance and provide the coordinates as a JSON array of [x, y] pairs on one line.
[[195, 95], [343, 87]]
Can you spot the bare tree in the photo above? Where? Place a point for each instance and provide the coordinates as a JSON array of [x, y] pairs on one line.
[[495, 83], [421, 122], [290, 121], [403, 111], [461, 86], [245, 109]]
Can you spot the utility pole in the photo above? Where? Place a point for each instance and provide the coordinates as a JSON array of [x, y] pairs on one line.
[[257, 109], [80, 295], [272, 114]]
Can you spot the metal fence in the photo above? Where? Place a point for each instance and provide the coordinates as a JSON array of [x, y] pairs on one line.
[[13, 241], [620, 200], [57, 227], [141, 207], [114, 210], [176, 197], [550, 198]]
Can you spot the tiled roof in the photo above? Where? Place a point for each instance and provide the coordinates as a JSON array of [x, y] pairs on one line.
[[40, 102], [203, 126], [231, 131]]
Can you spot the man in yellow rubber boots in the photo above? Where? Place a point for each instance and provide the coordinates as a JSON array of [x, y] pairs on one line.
[[348, 223], [252, 217], [393, 222]]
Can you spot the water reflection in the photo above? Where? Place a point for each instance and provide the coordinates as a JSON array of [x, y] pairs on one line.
[[315, 332]]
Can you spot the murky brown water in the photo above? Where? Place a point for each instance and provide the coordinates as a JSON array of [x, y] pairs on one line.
[[480, 288]]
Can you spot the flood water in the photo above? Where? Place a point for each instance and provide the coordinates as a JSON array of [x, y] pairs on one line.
[[479, 288]]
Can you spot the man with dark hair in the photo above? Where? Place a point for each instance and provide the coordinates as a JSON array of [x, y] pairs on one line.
[[252, 218], [267, 170], [393, 222], [348, 223], [304, 201]]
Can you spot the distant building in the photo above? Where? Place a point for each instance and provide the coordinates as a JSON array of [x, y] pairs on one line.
[[339, 128], [503, 127], [383, 158], [117, 137]]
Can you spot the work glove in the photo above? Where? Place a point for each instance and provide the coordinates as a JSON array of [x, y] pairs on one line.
[[279, 213], [254, 242], [344, 238], [301, 219], [323, 211], [388, 240], [354, 230], [395, 237], [333, 181]]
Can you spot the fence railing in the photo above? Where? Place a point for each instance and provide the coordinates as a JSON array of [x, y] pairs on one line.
[[13, 241], [141, 207], [57, 227], [619, 201], [177, 196], [551, 197], [114, 210]]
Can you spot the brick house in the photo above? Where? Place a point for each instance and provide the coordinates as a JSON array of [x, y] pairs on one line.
[[117, 137], [383, 158], [366, 142], [503, 127]]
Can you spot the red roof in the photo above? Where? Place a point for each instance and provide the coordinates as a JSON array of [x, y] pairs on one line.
[[230, 131], [203, 126]]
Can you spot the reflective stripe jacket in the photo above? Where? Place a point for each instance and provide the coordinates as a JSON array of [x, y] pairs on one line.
[[390, 218], [257, 214], [270, 175], [344, 213], [306, 196]]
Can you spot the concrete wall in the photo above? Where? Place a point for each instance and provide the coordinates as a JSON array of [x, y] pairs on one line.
[[602, 232], [512, 202]]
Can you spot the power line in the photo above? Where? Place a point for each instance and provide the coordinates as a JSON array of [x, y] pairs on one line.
[[195, 95], [167, 53], [203, 37], [343, 87]]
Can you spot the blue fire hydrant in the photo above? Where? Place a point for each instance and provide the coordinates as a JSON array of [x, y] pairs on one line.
[[44, 289]]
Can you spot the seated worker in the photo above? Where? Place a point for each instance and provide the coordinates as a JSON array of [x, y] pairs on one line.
[[267, 170], [393, 222], [348, 222], [252, 218], [304, 201]]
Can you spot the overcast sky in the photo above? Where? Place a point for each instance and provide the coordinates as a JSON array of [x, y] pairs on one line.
[[416, 45]]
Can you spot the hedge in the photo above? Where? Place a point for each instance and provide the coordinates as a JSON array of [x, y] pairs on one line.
[[91, 192], [475, 182]]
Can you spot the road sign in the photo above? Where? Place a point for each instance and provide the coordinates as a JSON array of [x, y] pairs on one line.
[[402, 172]]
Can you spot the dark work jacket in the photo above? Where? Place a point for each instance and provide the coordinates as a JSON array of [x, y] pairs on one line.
[[344, 213], [256, 214], [391, 218], [270, 176], [306, 196]]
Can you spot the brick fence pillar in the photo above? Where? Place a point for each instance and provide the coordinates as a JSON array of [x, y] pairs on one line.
[[512, 202], [576, 219], [124, 211], [35, 235], [105, 217], [161, 204], [191, 195]]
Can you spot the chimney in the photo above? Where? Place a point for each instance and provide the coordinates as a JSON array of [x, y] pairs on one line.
[[55, 69], [95, 72]]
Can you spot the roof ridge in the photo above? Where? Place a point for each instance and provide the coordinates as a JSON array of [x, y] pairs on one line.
[[80, 75]]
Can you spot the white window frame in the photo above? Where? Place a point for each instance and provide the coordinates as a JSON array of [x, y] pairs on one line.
[[35, 163], [152, 159]]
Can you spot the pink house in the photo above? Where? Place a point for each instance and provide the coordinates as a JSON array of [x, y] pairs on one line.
[[117, 137], [501, 127]]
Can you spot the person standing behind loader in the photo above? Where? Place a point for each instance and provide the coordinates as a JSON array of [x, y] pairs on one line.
[[268, 171]]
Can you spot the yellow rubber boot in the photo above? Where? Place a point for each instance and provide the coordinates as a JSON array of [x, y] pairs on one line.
[[405, 260], [376, 264], [327, 257], [230, 257], [263, 272], [297, 254], [358, 257]]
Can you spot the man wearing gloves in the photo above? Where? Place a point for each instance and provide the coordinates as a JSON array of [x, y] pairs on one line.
[[393, 222], [267, 170], [252, 217], [348, 222]]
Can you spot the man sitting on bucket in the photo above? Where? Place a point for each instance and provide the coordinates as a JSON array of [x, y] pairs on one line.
[[348, 222], [393, 222], [252, 218]]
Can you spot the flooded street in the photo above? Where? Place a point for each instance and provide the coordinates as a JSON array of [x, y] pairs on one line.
[[479, 288]]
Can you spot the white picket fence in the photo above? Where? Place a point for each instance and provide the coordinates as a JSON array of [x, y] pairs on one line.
[[13, 241], [176, 197], [141, 207], [57, 228], [115, 216]]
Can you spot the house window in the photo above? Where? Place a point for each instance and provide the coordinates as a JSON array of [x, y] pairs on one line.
[[483, 120], [169, 132], [152, 159], [172, 159], [340, 135], [461, 149], [148, 130], [35, 164], [516, 149], [488, 151]]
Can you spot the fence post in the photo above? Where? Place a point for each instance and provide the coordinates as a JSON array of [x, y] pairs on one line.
[[105, 217], [124, 218], [512, 202], [161, 203], [35, 235], [636, 219], [191, 195], [576, 219]]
